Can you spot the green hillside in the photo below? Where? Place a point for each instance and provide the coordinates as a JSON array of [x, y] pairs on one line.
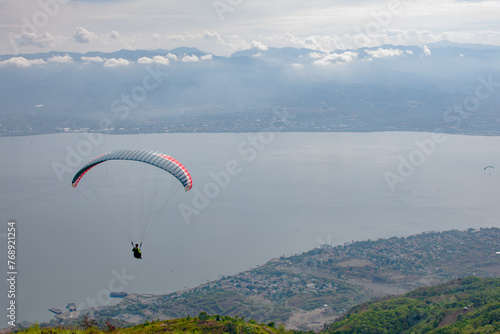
[[469, 305], [203, 323]]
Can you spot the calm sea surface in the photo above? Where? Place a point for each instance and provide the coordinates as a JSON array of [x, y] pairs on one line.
[[255, 197]]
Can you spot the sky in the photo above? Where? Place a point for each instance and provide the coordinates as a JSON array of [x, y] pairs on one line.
[[223, 27]]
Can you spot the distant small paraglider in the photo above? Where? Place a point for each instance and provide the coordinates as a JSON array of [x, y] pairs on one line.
[[488, 167]]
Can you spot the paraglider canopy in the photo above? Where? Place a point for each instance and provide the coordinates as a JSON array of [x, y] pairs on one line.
[[157, 159], [133, 188], [488, 167]]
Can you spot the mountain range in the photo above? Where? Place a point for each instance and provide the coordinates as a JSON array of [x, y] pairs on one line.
[[390, 87]]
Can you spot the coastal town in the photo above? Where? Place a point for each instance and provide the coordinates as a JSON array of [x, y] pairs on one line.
[[266, 118], [321, 284]]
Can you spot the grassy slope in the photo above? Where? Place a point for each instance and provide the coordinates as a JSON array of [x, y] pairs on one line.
[[201, 324]]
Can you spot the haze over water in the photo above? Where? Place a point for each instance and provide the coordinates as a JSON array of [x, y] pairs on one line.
[[292, 192]]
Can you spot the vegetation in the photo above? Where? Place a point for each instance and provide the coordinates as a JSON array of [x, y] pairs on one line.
[[469, 305], [203, 323], [463, 306]]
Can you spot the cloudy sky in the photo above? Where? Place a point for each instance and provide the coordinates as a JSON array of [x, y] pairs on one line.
[[225, 26]]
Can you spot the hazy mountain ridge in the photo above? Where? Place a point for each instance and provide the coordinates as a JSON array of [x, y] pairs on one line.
[[131, 55], [282, 54], [405, 88]]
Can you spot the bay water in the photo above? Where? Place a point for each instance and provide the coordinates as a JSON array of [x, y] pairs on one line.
[[256, 196]]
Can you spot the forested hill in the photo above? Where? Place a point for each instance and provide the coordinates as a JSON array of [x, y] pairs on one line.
[[307, 290], [469, 305]]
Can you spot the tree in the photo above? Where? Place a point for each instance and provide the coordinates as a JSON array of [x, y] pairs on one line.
[[203, 316]]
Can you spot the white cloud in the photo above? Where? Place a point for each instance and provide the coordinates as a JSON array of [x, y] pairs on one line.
[[352, 40], [297, 66], [213, 37], [316, 55], [38, 40], [427, 52], [206, 57], [172, 56], [337, 58], [384, 53], [60, 59], [156, 60], [114, 34], [93, 59], [406, 37], [259, 46], [319, 25], [322, 43], [200, 40], [169, 57], [144, 60], [21, 62], [82, 35], [177, 38], [113, 62], [235, 43], [190, 59]]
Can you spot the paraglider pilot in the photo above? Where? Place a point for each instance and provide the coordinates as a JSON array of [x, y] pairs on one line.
[[137, 251]]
